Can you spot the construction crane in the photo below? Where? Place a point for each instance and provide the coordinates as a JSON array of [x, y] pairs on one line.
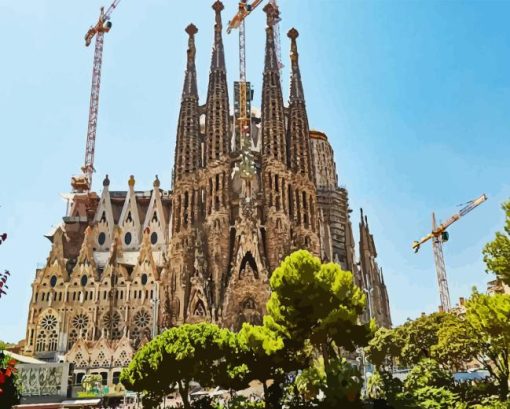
[[238, 21], [83, 182], [439, 235], [242, 88]]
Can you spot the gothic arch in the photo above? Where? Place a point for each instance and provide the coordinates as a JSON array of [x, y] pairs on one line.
[[248, 259]]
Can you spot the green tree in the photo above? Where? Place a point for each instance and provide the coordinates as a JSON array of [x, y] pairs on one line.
[[384, 348], [5, 345], [483, 334], [266, 356], [318, 303], [419, 337], [496, 254], [191, 352], [407, 344]]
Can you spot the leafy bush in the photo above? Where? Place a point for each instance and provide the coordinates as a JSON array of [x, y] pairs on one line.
[[241, 402], [428, 372]]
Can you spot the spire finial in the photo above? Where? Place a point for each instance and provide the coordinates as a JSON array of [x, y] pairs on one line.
[[106, 181], [271, 13], [191, 29], [218, 6], [131, 181], [156, 183]]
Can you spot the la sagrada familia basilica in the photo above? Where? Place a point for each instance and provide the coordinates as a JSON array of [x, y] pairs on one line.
[[247, 190]]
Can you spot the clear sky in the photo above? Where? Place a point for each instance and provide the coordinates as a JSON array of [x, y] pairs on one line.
[[414, 96]]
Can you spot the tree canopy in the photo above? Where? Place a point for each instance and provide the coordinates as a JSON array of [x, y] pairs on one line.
[[496, 254], [318, 303], [190, 352]]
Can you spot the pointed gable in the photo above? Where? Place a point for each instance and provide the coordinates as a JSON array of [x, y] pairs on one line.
[[129, 220], [104, 219], [55, 264], [85, 265], [155, 218]]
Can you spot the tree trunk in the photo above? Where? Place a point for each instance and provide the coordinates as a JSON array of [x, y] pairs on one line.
[[266, 395], [503, 387], [183, 391], [325, 355]]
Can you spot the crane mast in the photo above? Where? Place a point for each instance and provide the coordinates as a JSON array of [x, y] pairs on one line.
[[83, 183], [437, 249], [439, 235]]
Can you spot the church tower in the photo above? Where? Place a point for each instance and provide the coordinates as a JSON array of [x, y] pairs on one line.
[[304, 195]]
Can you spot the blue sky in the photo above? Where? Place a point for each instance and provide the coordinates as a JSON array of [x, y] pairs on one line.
[[414, 96]]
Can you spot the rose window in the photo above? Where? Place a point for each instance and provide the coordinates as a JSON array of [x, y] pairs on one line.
[[49, 322], [111, 320], [142, 319], [80, 321], [112, 323]]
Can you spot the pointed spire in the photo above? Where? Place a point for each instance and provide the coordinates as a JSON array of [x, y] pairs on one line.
[[300, 153], [218, 55], [190, 82], [296, 86], [274, 143], [271, 61], [217, 123], [187, 150]]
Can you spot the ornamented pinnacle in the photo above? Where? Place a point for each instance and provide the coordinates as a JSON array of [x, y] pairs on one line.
[[131, 181], [156, 183], [218, 6], [191, 30], [271, 14], [293, 34]]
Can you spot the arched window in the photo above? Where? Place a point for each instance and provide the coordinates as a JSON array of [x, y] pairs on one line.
[[40, 343], [199, 310]]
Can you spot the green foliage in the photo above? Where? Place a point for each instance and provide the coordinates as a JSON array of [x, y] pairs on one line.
[[384, 347], [339, 381], [489, 317], [241, 402], [4, 345], [457, 343], [492, 403], [496, 254], [89, 382], [418, 338], [429, 397], [428, 373], [382, 385], [316, 302], [199, 352]]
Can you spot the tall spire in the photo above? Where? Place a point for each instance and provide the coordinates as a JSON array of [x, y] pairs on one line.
[[190, 80], [218, 55], [273, 121], [300, 154], [217, 109], [187, 151]]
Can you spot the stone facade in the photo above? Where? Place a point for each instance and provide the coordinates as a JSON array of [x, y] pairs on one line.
[[126, 265]]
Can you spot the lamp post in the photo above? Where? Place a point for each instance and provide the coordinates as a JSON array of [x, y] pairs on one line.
[[368, 291]]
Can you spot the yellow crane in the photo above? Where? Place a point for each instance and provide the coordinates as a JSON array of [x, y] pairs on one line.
[[438, 235]]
